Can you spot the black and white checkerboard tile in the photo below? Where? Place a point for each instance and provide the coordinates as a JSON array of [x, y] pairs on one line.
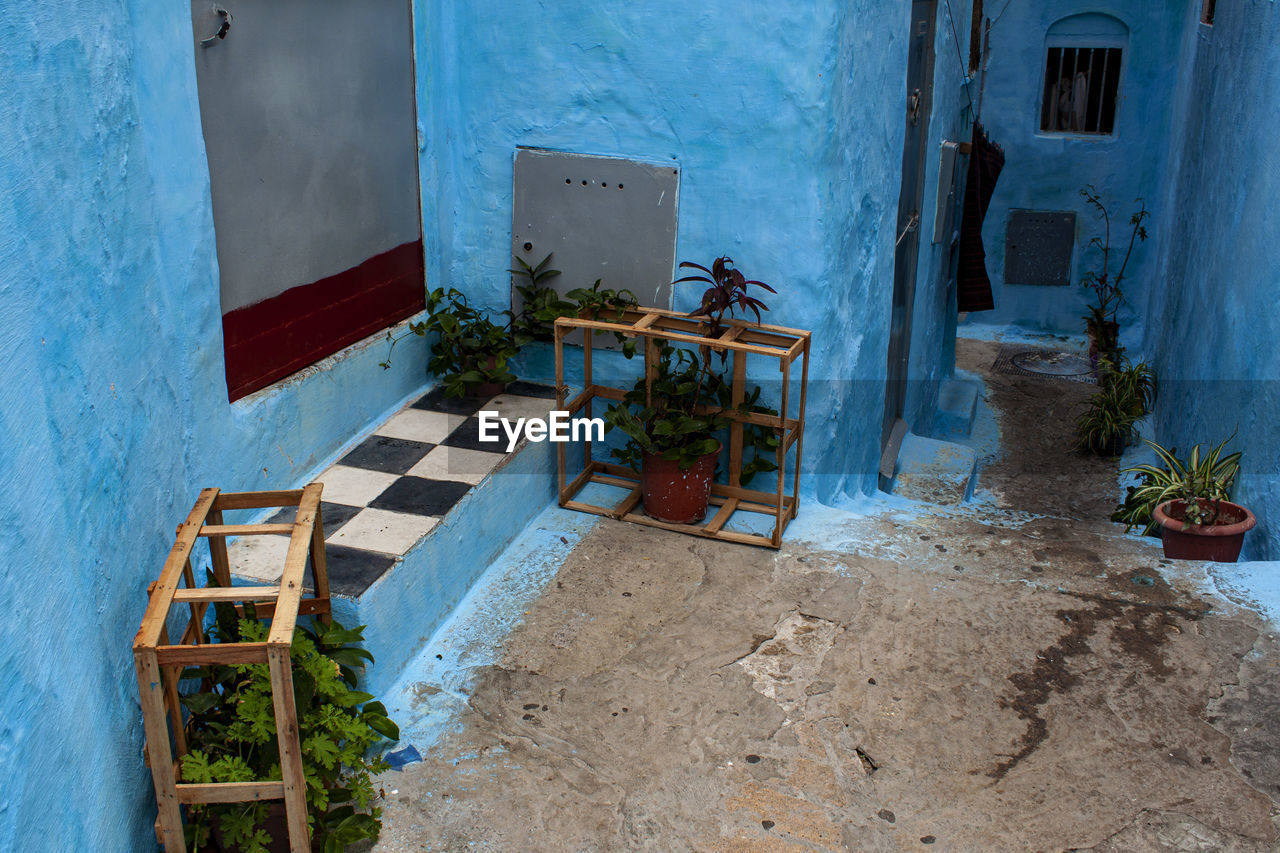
[[389, 491]]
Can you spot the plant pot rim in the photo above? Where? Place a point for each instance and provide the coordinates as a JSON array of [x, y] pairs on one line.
[[657, 457], [1168, 522]]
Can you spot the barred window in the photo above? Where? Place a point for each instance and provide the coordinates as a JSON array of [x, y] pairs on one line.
[[1081, 85]]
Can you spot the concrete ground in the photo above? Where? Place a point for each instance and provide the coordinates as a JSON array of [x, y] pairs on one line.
[[1012, 674]]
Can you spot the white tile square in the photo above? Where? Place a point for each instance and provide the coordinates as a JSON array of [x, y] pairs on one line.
[[456, 463], [258, 557], [353, 486], [421, 425], [384, 531]]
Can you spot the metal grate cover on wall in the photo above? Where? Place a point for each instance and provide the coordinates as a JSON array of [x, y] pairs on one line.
[[604, 218], [1038, 247]]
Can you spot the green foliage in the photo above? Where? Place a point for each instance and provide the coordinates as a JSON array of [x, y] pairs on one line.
[[541, 305], [1105, 286], [679, 416], [471, 350], [1126, 393], [232, 735], [1202, 475]]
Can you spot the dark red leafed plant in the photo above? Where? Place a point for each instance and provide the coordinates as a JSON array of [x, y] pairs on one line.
[[728, 289]]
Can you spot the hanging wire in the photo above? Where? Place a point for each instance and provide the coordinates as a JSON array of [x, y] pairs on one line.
[[1002, 11], [964, 69]]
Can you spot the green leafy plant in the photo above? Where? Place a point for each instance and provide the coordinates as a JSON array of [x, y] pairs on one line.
[[232, 736], [1126, 394], [540, 304], [1106, 283], [473, 351], [1207, 475], [679, 415]]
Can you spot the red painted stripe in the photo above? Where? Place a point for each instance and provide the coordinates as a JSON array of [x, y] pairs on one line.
[[276, 337]]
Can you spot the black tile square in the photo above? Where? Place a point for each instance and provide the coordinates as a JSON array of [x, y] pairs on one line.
[[467, 436], [386, 454], [532, 389], [333, 516], [421, 496], [353, 570], [436, 401]]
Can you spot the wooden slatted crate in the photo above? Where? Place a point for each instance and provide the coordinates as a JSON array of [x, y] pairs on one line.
[[159, 663], [741, 340]]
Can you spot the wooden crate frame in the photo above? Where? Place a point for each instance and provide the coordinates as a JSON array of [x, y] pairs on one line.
[[742, 339], [159, 663]]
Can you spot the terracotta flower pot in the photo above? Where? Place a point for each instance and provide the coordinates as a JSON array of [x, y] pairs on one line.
[[1219, 542], [488, 389], [675, 495]]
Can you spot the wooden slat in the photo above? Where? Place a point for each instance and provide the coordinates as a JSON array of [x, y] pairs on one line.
[[671, 335], [215, 653], [162, 595], [627, 504], [221, 564], [159, 756], [286, 711], [318, 606], [578, 482], [171, 675], [295, 564], [229, 792], [227, 593], [258, 500], [245, 529], [697, 530], [721, 517], [738, 393], [319, 566], [561, 391]]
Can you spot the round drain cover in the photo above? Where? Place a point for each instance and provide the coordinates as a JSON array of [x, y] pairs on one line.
[[1053, 363]]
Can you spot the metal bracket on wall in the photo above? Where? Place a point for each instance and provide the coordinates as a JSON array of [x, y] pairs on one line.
[[223, 28]]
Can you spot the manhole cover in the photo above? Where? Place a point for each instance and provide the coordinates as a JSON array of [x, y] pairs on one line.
[[1053, 363]]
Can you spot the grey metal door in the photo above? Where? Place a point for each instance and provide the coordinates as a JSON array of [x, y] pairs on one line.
[[919, 91]]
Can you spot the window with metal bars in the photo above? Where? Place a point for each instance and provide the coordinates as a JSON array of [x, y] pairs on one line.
[[1081, 86]]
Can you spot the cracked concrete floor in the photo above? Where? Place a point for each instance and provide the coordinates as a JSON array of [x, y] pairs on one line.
[[971, 679]]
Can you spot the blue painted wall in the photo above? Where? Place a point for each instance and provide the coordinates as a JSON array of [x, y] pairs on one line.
[[786, 123], [1214, 324], [1046, 172], [113, 403]]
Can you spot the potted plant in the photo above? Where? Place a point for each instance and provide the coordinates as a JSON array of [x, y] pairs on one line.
[[1195, 528], [1101, 324], [472, 354], [1202, 475], [232, 737], [1126, 393], [671, 422]]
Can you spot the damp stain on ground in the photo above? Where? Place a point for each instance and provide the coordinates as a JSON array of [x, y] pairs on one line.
[[1139, 629]]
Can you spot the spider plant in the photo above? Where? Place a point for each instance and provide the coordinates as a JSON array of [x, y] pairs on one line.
[[1126, 393], [1202, 475]]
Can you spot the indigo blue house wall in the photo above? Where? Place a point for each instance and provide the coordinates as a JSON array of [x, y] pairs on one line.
[[787, 127], [113, 402], [1214, 320], [1046, 171]]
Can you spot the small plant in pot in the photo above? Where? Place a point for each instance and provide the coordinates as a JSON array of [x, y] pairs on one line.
[[1105, 284], [671, 424], [1188, 502], [1202, 475], [1126, 392]]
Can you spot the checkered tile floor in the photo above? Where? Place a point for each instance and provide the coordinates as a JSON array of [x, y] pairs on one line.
[[387, 493]]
